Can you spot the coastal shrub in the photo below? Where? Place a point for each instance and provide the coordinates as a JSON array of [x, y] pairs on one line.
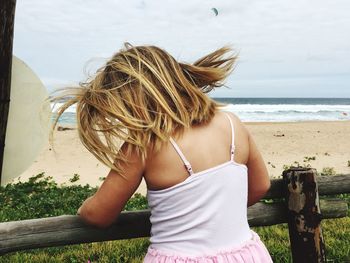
[[75, 178], [40, 196], [309, 158], [326, 171], [137, 202]]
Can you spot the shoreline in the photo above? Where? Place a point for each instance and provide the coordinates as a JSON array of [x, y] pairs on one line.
[[322, 144], [73, 126], [291, 122]]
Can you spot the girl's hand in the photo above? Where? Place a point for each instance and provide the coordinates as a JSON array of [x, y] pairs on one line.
[[103, 208]]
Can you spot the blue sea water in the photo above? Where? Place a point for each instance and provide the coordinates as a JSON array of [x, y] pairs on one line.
[[273, 109], [289, 109]]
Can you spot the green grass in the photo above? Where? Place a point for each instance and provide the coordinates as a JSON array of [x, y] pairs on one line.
[[41, 197], [336, 233]]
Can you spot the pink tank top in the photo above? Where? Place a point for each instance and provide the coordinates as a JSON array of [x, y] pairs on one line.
[[205, 213]]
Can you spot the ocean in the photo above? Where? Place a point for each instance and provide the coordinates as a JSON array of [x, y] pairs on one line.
[[273, 109]]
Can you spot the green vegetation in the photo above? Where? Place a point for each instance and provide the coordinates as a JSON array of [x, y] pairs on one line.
[[102, 178], [297, 164], [326, 171], [272, 165], [42, 197], [309, 158], [75, 178]]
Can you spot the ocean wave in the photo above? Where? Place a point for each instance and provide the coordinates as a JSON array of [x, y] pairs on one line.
[[285, 107], [264, 112]]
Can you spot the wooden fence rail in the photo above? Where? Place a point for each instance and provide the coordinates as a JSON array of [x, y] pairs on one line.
[[69, 229], [327, 185]]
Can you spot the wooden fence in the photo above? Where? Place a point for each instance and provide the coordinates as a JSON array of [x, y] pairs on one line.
[[297, 187]]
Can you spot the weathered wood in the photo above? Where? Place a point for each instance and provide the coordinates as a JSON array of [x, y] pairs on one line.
[[327, 185], [333, 208], [7, 17], [261, 214], [65, 230], [330, 185], [304, 215]]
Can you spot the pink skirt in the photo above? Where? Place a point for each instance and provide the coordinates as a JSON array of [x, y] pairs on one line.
[[252, 251]]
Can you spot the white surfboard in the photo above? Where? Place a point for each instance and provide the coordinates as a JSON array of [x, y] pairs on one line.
[[28, 121]]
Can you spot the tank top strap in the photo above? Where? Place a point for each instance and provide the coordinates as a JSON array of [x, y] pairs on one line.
[[182, 156], [232, 146]]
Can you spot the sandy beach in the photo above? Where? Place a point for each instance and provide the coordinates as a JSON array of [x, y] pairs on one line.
[[328, 143]]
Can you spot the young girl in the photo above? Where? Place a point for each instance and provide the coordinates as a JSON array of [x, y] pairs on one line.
[[201, 165]]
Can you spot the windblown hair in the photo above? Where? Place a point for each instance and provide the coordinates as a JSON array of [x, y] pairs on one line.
[[142, 96]]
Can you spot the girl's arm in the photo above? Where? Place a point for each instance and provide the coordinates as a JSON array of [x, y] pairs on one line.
[[105, 205], [258, 178]]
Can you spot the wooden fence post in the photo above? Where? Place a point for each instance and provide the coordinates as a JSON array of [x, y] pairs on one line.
[[7, 17], [304, 215]]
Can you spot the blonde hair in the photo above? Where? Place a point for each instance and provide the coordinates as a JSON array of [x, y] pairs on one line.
[[142, 96]]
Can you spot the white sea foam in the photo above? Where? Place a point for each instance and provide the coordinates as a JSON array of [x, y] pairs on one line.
[[267, 112], [286, 108], [289, 112]]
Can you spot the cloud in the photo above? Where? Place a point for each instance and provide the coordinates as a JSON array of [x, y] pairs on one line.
[[274, 38]]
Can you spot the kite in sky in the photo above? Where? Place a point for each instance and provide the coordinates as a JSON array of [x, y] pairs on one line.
[[216, 12]]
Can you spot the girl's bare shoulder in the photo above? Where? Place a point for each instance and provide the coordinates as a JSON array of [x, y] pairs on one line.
[[238, 125]]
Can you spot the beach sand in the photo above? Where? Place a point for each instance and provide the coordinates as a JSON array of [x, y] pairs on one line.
[[280, 144]]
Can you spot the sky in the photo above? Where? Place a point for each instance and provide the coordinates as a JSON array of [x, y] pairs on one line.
[[286, 48]]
